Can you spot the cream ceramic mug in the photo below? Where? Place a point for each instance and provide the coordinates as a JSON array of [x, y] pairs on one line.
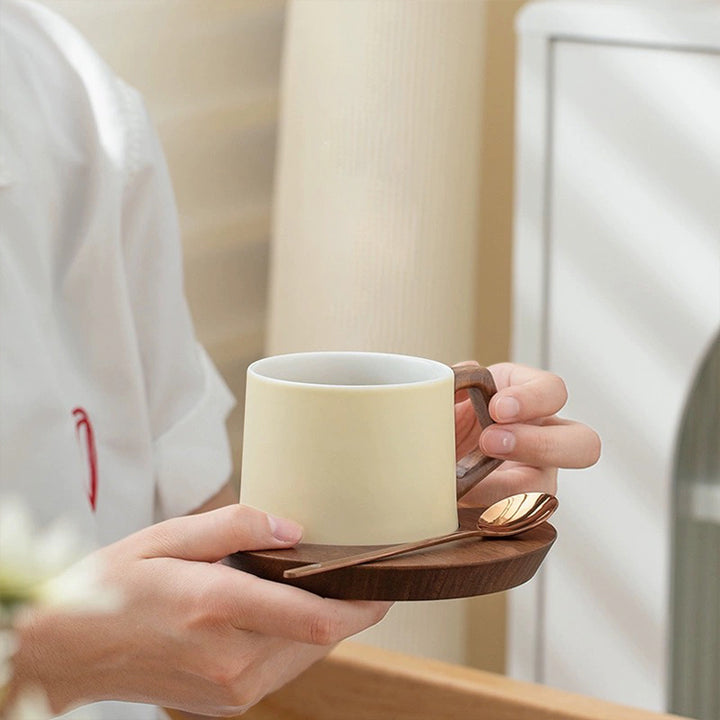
[[359, 448]]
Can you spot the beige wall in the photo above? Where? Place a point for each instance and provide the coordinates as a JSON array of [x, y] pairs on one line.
[[209, 72]]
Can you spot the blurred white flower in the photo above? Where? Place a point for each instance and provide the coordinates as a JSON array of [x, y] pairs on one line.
[[45, 567], [41, 568], [79, 588]]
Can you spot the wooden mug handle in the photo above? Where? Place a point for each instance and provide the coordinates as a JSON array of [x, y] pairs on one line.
[[479, 383]]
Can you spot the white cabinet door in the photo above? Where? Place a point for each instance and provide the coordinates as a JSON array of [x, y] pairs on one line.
[[632, 303]]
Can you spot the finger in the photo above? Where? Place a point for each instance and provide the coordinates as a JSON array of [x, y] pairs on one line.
[[281, 610], [210, 536], [562, 444], [525, 393]]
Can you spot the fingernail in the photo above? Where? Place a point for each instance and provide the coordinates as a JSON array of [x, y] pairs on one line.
[[284, 530], [507, 408], [498, 441]]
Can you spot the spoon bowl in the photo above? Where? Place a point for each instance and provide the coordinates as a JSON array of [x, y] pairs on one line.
[[510, 516], [522, 510]]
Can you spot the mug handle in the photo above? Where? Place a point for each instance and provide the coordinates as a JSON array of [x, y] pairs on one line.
[[478, 381]]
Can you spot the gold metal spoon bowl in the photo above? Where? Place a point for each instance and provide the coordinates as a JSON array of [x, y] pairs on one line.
[[511, 516]]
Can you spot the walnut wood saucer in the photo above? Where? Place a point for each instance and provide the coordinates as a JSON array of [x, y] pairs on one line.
[[475, 566]]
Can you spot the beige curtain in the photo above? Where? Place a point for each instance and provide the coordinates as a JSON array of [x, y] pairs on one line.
[[376, 215], [378, 178]]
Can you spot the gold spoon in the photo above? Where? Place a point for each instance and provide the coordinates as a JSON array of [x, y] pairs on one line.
[[511, 516]]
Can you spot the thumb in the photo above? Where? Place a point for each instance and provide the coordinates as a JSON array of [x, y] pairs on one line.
[[210, 536]]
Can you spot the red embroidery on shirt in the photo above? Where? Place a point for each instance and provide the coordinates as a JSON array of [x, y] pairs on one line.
[[85, 433]]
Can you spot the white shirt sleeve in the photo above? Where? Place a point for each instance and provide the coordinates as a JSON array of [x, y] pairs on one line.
[[188, 402]]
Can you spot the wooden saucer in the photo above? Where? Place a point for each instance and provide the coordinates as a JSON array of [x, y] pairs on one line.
[[475, 566]]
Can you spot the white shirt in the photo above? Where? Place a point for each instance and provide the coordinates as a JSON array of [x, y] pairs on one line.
[[110, 412]]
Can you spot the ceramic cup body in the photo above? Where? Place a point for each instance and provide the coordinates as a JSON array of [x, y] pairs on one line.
[[357, 447]]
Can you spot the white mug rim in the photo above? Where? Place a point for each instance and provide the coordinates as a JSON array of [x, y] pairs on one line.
[[442, 372]]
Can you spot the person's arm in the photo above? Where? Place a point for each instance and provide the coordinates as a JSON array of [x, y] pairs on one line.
[[527, 434]]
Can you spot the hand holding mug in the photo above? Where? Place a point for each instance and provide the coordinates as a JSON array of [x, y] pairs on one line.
[[528, 435], [191, 633]]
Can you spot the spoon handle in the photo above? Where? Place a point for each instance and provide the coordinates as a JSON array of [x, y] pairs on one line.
[[378, 554]]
